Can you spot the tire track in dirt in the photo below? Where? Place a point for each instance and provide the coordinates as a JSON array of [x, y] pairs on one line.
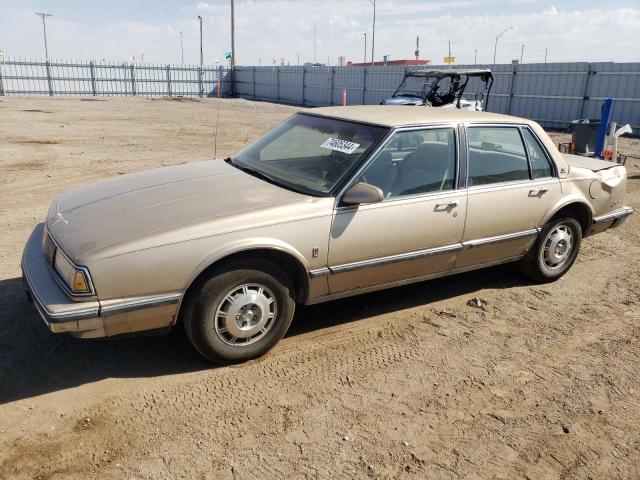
[[230, 400]]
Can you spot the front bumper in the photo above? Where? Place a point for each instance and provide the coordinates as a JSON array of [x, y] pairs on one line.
[[90, 318], [59, 313]]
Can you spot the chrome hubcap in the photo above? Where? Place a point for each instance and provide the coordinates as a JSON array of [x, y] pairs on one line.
[[557, 247], [246, 314]]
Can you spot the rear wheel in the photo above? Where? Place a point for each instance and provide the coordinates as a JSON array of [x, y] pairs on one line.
[[554, 251], [240, 312]]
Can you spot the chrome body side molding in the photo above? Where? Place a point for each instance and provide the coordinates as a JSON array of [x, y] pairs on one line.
[[618, 214], [407, 281], [319, 272], [137, 303], [500, 238], [373, 262]]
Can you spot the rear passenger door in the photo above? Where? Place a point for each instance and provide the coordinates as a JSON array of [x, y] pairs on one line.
[[511, 185]]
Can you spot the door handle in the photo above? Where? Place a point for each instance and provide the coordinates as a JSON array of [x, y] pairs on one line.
[[446, 207], [538, 193]]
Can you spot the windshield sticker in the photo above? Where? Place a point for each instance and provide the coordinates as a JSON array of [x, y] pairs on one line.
[[338, 145]]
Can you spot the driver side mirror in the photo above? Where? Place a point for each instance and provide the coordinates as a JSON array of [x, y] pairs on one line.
[[363, 193]]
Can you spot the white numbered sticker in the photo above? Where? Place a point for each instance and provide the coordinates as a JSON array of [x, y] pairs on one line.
[[338, 145]]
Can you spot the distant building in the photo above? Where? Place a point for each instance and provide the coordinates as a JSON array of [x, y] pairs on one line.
[[393, 62], [342, 61]]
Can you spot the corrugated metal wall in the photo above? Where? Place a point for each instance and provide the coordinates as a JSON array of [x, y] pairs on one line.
[[29, 77], [553, 94]]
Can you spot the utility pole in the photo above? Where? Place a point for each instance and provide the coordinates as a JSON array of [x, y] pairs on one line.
[[373, 40], [417, 52], [545, 54], [44, 29], [495, 48], [298, 58], [449, 54], [475, 57], [141, 57], [201, 58], [315, 42], [181, 49], [522, 53], [365, 48], [233, 37]]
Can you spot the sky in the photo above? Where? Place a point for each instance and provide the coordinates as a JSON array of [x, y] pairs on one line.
[[571, 30]]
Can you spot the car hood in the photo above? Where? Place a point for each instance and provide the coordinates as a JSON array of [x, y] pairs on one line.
[[402, 100], [93, 217]]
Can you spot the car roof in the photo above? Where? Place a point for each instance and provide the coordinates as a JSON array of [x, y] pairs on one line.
[[450, 72], [406, 115]]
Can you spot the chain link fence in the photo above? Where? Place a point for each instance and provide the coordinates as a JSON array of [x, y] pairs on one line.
[[553, 94], [29, 77]]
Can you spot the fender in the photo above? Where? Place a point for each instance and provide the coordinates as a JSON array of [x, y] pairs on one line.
[[239, 246], [565, 201]]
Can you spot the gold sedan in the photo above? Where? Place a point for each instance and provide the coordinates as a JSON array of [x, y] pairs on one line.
[[331, 203]]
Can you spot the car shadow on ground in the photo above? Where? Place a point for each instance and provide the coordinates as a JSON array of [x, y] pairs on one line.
[[34, 361]]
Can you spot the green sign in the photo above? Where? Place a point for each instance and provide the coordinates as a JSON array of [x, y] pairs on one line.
[[227, 54]]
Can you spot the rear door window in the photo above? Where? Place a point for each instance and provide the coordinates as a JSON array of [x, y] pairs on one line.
[[540, 165], [496, 155]]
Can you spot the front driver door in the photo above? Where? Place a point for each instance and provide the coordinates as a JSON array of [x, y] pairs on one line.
[[416, 231]]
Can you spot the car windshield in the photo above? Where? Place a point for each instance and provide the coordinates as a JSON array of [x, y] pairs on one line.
[[310, 154], [415, 86]]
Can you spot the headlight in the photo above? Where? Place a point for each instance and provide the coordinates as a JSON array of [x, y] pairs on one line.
[[75, 278]]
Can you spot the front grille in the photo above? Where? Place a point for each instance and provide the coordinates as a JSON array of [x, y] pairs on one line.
[[49, 249]]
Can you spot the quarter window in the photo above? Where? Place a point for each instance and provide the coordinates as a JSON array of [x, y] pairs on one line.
[[414, 162], [496, 155], [539, 163]]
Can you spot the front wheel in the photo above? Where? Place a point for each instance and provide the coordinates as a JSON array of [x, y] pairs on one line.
[[240, 311], [554, 251]]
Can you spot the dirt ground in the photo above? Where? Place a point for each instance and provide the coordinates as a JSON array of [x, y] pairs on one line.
[[409, 383]]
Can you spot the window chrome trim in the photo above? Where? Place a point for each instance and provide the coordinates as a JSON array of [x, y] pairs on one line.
[[517, 127], [509, 184], [59, 279], [550, 162], [390, 202], [401, 257], [392, 131], [500, 238]]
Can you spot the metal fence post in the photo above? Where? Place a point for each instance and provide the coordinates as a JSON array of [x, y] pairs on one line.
[[585, 90], [92, 73], [1, 81], [304, 79], [48, 69], [513, 78], [364, 85], [332, 85], [133, 79], [253, 82], [169, 80], [278, 84]]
